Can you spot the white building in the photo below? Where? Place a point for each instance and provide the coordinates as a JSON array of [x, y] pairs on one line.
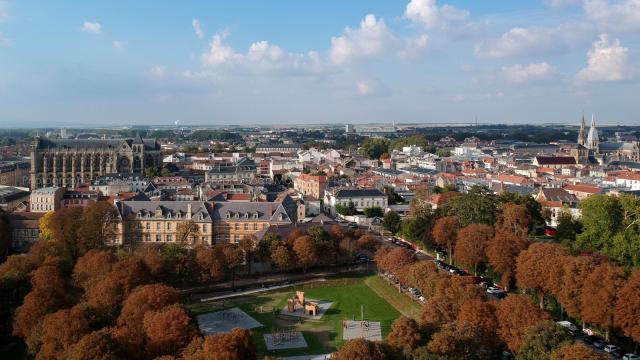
[[46, 199], [361, 199]]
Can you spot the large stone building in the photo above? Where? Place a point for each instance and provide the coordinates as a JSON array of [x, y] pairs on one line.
[[603, 151], [69, 162]]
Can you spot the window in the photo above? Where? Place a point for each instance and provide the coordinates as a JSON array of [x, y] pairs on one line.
[[169, 237], [237, 226], [158, 226], [255, 226], [246, 226], [158, 238], [168, 226], [204, 228], [148, 226], [236, 238]]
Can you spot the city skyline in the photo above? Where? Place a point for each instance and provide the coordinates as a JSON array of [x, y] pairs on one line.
[[418, 61]]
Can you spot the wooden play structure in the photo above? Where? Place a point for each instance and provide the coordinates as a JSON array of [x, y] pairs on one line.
[[308, 307]]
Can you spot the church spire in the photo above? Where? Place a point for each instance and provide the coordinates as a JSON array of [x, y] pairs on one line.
[[593, 141], [582, 135]]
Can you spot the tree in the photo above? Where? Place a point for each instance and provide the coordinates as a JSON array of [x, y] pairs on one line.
[[405, 333], [534, 208], [62, 228], [142, 300], [516, 314], [47, 295], [168, 330], [374, 211], [514, 219], [627, 311], [471, 244], [233, 258], [373, 148], [577, 351], [575, 271], [92, 266], [60, 330], [445, 231], [305, 252], [394, 261], [367, 242], [211, 262], [98, 226], [234, 345], [502, 253], [187, 230], [249, 244], [359, 349], [449, 296], [599, 295], [479, 315], [392, 196], [425, 276], [391, 221], [346, 210], [281, 257], [567, 228], [602, 217], [452, 342], [478, 206], [541, 340], [416, 229], [98, 345], [540, 268]]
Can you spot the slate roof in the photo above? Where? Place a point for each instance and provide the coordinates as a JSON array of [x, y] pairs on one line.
[[250, 211], [97, 144], [173, 208], [350, 193]]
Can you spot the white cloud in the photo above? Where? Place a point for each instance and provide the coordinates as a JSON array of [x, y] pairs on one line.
[[197, 28], [158, 71], [519, 74], [4, 41], [364, 88], [535, 41], [616, 15], [369, 40], [429, 14], [92, 27], [606, 61], [219, 53], [118, 44]]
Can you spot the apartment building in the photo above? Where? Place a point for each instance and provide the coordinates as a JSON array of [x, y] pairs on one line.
[[234, 219], [311, 185]]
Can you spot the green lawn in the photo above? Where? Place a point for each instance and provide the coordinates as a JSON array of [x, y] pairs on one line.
[[381, 303]]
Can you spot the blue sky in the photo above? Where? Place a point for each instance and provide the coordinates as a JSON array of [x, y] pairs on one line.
[[295, 62]]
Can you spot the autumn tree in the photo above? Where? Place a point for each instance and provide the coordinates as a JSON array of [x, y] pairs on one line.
[[479, 315], [367, 242], [627, 311], [542, 339], [249, 245], [516, 314], [445, 232], [234, 345], [211, 262], [97, 227], [575, 271], [294, 234], [60, 330], [359, 349], [577, 351], [502, 253], [425, 276], [233, 259], [471, 244], [599, 295], [62, 228], [452, 342], [394, 261], [92, 266], [187, 230], [151, 256], [449, 296], [540, 268], [144, 299], [305, 252], [281, 257], [405, 333], [514, 219], [168, 330], [98, 345], [337, 232], [48, 294], [347, 245]]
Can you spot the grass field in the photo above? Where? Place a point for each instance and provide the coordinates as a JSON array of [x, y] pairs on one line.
[[381, 302]]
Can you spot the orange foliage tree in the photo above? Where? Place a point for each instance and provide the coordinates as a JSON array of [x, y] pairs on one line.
[[502, 253], [575, 271], [516, 314], [445, 231], [471, 244], [144, 299], [405, 333], [599, 295], [60, 330], [627, 309], [305, 252], [577, 351], [234, 345], [359, 349], [540, 268], [92, 266], [168, 330], [444, 306]]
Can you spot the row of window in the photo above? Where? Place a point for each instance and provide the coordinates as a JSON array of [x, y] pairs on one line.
[[167, 238], [169, 226], [245, 226]]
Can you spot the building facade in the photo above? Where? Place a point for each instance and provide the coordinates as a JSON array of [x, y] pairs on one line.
[[233, 220], [361, 199], [70, 162], [46, 199], [311, 185]]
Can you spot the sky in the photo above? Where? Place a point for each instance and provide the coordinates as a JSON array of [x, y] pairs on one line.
[[111, 62]]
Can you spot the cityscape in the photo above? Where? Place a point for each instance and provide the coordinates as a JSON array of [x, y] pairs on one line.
[[445, 181]]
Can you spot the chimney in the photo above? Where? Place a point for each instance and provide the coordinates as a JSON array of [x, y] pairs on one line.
[[189, 210]]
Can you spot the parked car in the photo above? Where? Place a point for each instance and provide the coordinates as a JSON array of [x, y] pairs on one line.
[[494, 290], [501, 295], [590, 339], [630, 356], [569, 326], [599, 343], [610, 348]]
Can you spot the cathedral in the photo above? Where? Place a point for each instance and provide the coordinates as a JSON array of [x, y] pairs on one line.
[[591, 148], [71, 162]]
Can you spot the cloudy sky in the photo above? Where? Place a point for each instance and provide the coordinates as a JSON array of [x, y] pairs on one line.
[[330, 61]]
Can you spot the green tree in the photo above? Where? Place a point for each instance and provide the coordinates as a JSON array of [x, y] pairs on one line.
[[347, 210], [392, 221], [478, 206], [602, 217], [416, 229], [541, 340], [533, 206], [392, 196], [373, 148], [374, 211]]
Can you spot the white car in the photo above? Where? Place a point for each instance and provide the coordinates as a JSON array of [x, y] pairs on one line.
[[630, 356], [494, 290], [611, 348]]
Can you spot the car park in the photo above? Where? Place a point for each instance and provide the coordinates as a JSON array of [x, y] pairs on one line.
[[630, 356], [610, 348]]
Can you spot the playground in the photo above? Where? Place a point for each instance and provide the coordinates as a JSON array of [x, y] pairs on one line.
[[313, 318]]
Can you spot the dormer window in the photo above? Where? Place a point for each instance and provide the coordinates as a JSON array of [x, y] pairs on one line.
[[201, 216], [228, 215], [255, 215], [139, 215], [237, 215]]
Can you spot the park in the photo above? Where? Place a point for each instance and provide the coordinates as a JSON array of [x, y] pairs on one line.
[[309, 319]]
